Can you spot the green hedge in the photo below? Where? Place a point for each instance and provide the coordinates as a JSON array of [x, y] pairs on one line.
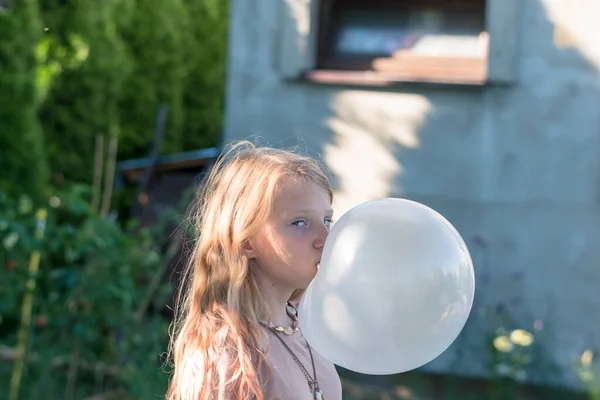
[[106, 67], [22, 159], [84, 92]]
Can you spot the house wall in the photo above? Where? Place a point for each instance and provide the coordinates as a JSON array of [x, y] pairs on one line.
[[513, 166]]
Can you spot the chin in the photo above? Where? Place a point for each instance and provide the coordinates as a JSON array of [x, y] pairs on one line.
[[306, 276], [307, 281]]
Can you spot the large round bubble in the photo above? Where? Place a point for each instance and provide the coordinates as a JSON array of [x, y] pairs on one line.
[[394, 289]]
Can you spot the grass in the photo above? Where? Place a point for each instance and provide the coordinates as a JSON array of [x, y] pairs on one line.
[[421, 386]]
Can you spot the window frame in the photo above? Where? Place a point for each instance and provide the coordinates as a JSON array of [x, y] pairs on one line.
[[299, 53]]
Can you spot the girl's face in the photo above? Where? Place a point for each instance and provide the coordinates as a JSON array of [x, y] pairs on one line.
[[287, 249]]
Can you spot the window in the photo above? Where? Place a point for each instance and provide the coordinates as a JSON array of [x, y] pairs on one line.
[[441, 41]]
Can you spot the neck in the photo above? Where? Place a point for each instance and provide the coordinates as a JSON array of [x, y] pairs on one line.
[[276, 298]]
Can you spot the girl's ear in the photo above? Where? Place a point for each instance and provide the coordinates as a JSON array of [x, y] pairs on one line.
[[249, 249]]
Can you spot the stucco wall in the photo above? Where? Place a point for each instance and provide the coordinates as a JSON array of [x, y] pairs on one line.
[[513, 167]]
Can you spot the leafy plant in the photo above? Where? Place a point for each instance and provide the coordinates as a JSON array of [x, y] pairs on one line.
[[91, 331], [584, 368]]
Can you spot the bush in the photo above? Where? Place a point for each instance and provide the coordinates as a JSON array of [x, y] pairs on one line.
[[88, 64], [204, 91], [106, 67], [91, 286], [157, 38], [22, 159]]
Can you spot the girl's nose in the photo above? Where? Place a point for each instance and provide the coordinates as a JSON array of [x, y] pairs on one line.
[[319, 241]]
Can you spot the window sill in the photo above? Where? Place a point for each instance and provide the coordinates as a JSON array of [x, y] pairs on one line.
[[381, 79]]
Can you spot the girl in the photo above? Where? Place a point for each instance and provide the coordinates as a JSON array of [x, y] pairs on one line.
[[263, 216]]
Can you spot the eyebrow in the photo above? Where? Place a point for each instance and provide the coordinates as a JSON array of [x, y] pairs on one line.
[[307, 211]]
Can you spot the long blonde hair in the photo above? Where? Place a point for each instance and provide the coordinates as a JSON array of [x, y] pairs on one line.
[[216, 319]]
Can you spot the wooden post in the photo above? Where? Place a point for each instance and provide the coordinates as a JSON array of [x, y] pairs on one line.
[[109, 176], [98, 164], [27, 307]]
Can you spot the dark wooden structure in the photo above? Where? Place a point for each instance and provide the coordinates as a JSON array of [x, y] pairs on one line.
[[169, 177]]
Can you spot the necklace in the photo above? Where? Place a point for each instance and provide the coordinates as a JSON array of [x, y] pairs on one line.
[[288, 330], [313, 383]]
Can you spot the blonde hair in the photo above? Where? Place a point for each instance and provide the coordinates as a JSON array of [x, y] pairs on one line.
[[215, 346]]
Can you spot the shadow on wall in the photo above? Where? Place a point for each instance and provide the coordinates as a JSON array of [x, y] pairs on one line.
[[505, 164]]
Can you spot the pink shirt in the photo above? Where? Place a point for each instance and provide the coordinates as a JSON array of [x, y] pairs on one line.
[[287, 381]]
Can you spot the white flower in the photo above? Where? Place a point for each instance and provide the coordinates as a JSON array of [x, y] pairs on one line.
[[10, 240], [521, 337], [503, 344], [54, 202], [587, 357]]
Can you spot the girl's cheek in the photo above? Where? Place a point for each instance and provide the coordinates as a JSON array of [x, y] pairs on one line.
[[301, 232]]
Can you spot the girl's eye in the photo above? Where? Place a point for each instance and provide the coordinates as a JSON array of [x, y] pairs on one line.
[[299, 223], [328, 221]]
